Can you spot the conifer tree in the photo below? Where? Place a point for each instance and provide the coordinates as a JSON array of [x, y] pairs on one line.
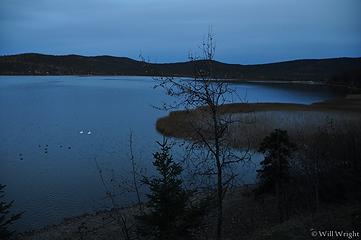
[[274, 173], [167, 200]]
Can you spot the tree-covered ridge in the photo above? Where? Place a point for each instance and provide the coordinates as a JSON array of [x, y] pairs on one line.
[[344, 71]]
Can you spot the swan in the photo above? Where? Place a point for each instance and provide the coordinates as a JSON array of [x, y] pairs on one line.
[[81, 132], [89, 132]]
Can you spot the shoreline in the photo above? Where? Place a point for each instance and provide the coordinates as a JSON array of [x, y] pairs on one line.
[[228, 80], [99, 223], [239, 205]]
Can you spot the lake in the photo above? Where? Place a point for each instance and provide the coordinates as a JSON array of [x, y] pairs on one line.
[[54, 130]]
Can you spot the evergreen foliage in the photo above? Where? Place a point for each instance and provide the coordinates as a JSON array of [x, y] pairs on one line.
[[277, 150], [167, 200]]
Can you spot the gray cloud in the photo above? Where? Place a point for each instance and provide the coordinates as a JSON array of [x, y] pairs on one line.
[[247, 31]]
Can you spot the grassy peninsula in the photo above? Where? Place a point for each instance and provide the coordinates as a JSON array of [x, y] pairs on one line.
[[258, 119]]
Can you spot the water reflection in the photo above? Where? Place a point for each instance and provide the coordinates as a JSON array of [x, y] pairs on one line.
[[52, 129]]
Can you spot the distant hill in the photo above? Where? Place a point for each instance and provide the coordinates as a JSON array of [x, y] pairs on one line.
[[344, 71]]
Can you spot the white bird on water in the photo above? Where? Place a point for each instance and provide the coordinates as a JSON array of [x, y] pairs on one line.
[[89, 132], [81, 132]]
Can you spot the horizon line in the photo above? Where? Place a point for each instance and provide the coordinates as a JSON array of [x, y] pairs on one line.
[[185, 61]]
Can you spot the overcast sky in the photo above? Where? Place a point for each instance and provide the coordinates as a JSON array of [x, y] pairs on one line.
[[246, 31]]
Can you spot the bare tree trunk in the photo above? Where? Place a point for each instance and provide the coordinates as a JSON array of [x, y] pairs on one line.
[[317, 197], [316, 182], [219, 176], [279, 202], [134, 171], [219, 201], [278, 183]]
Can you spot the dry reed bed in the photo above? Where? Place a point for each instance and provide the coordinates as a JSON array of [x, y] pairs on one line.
[[249, 123]]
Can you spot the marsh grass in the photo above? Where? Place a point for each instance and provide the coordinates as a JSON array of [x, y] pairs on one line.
[[250, 123]]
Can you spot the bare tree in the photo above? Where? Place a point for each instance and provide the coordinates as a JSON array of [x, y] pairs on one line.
[[134, 172], [115, 214], [206, 93]]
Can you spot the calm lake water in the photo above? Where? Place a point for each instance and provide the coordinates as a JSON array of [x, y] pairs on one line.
[[47, 157]]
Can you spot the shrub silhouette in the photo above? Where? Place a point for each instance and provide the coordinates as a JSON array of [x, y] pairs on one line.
[[6, 220]]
